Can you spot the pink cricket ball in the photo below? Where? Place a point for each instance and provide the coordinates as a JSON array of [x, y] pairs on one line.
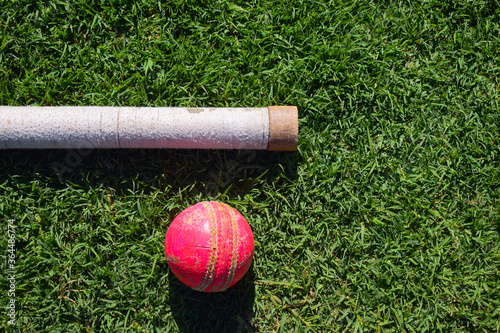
[[209, 246]]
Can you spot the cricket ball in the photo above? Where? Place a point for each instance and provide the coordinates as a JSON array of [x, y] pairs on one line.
[[209, 246]]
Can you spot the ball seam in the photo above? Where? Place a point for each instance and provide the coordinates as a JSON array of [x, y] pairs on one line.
[[209, 274], [220, 267], [235, 248]]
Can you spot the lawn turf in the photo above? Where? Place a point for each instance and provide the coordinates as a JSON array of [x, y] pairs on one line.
[[386, 219]]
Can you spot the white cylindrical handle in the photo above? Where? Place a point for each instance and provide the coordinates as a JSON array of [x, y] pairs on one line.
[[44, 127]]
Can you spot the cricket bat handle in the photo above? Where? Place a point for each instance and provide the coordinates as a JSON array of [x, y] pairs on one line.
[[273, 128]]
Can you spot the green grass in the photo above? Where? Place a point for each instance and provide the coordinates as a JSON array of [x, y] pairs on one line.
[[386, 219]]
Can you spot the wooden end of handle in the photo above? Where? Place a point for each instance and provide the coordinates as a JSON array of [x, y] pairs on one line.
[[283, 128]]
